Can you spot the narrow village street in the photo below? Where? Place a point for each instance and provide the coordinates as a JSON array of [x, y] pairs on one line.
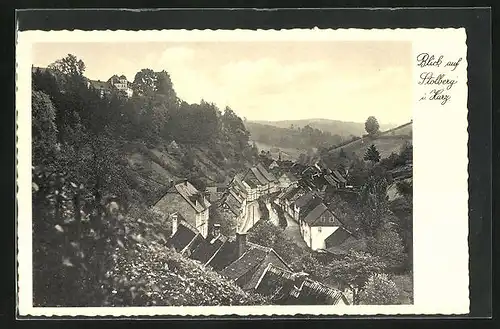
[[293, 232], [252, 216]]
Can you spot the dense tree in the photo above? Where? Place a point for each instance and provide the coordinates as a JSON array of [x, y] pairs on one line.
[[44, 129], [68, 67], [372, 154], [403, 209], [269, 235], [371, 125], [406, 152], [374, 205], [380, 290], [387, 244], [354, 270]]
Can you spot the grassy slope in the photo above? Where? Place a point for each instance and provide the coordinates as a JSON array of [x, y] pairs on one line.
[[385, 145], [154, 168]]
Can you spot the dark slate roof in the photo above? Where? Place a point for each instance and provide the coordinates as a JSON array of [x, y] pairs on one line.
[[315, 213], [290, 288], [191, 195], [233, 204], [339, 176], [297, 193], [254, 256], [182, 237], [192, 245], [100, 84], [247, 262], [288, 192], [321, 216], [207, 249], [307, 208], [338, 237], [304, 200], [227, 254]]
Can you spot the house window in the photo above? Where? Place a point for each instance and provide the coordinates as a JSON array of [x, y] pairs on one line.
[[319, 229]]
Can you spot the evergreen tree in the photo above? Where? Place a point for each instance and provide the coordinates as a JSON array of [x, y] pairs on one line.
[[372, 154]]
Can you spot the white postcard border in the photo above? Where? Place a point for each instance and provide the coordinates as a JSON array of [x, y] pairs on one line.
[[440, 137]]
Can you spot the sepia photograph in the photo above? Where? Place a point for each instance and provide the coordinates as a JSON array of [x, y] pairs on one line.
[[222, 173], [243, 173]]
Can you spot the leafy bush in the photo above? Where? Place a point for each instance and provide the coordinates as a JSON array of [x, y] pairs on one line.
[[151, 274], [380, 290]]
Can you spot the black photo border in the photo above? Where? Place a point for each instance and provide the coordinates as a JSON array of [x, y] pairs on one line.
[[477, 22]]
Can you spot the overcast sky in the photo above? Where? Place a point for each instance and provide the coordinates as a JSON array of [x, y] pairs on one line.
[[346, 81]]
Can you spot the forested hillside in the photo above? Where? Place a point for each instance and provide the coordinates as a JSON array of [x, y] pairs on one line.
[[343, 129], [300, 138], [97, 163], [146, 140]]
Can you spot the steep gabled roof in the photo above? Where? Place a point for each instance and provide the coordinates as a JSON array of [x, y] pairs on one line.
[[249, 261], [321, 216], [304, 199], [269, 176], [331, 179], [257, 174], [339, 176], [238, 183], [227, 254], [207, 249], [316, 292], [338, 237], [236, 195], [182, 237], [100, 84], [197, 201], [233, 204], [290, 288], [192, 245]]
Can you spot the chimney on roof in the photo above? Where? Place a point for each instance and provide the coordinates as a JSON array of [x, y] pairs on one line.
[[216, 230], [185, 182], [175, 223], [241, 243]]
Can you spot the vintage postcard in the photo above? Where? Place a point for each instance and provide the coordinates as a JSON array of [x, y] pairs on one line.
[[242, 172]]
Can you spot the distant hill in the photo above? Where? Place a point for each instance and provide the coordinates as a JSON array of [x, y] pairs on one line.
[[387, 142], [335, 127]]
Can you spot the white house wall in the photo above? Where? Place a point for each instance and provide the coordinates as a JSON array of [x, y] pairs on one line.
[[319, 235]]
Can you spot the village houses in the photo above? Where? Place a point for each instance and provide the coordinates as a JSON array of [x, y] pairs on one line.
[[317, 225], [251, 266], [257, 182], [118, 83], [190, 203]]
